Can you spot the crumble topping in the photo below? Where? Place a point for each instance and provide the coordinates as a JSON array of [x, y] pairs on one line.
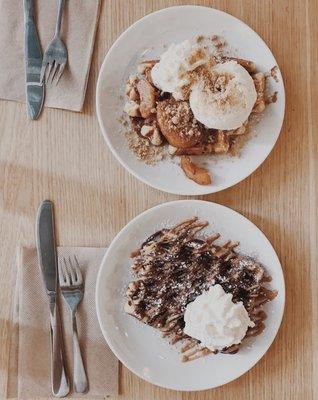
[[143, 149], [180, 117]]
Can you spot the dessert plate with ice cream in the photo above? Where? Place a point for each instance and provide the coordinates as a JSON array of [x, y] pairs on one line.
[[190, 295], [190, 100]]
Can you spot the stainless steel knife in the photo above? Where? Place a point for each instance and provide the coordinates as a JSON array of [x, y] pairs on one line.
[[48, 264], [33, 63]]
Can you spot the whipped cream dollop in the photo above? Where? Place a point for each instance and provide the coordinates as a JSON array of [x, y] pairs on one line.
[[215, 320], [226, 100], [170, 74]]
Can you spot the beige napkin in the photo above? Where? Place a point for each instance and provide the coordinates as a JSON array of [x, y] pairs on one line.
[[29, 370], [78, 32]]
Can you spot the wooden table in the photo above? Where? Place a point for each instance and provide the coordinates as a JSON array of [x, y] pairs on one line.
[[63, 157]]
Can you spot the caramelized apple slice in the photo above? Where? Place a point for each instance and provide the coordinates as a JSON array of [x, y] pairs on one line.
[[148, 97], [194, 172]]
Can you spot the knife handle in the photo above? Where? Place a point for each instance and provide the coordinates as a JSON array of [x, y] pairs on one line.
[[28, 9], [60, 384]]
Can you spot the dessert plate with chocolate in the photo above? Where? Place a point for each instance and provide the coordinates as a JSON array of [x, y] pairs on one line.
[[190, 295], [190, 100]]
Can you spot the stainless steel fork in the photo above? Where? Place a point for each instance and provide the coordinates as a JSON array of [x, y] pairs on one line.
[[72, 288], [55, 56]]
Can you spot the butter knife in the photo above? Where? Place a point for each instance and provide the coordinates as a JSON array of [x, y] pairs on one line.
[[48, 264], [33, 63]]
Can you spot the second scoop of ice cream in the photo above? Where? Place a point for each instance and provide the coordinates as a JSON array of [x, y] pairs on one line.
[[223, 99]]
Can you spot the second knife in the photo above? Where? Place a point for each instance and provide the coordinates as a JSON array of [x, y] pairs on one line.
[[48, 264]]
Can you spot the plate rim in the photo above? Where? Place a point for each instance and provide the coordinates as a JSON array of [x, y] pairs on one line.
[[97, 291], [209, 189]]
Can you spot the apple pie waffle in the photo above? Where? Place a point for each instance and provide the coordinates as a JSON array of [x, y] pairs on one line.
[[174, 266], [158, 117]]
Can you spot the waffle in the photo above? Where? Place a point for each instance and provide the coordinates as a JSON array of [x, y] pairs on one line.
[[174, 266], [159, 118]]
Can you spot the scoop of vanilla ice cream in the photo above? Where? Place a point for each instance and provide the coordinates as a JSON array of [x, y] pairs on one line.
[[229, 106], [215, 320], [170, 73]]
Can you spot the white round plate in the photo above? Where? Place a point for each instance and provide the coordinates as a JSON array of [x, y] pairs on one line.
[[150, 34], [140, 347]]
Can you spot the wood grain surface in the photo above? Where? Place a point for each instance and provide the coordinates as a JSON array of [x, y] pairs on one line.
[[63, 157]]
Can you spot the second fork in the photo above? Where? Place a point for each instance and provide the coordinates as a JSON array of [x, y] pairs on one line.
[[72, 288]]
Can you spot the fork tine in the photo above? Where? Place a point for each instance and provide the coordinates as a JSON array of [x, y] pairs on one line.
[[70, 268], [60, 72], [56, 67], [63, 275], [43, 69], [78, 271], [48, 71]]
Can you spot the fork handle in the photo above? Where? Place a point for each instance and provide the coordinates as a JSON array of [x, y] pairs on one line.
[[60, 385], [59, 18], [79, 374]]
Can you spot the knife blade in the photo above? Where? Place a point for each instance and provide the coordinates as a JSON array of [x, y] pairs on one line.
[[46, 249], [33, 63], [47, 256]]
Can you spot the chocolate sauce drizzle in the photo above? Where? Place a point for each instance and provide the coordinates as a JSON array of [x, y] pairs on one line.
[[174, 266]]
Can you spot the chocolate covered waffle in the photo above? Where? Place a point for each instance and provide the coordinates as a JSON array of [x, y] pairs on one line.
[[174, 266]]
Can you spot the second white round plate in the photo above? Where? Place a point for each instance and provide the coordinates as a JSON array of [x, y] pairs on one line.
[[150, 35], [140, 347]]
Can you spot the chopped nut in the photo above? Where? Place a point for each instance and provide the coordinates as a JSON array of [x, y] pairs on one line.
[[152, 134], [156, 138], [133, 80], [146, 130], [132, 109], [134, 95], [172, 150], [194, 172], [131, 86], [259, 82], [175, 120], [144, 65], [259, 107], [222, 143]]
